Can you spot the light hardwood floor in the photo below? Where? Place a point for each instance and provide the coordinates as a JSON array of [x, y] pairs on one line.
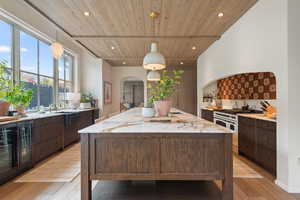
[[244, 189]]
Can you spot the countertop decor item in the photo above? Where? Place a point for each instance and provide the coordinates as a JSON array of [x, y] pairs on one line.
[[148, 110], [86, 101], [19, 97], [73, 99], [162, 90]]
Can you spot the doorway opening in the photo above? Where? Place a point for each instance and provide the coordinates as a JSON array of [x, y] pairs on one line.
[[132, 93]]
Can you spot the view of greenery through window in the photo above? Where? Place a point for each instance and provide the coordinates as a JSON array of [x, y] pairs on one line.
[[37, 66]]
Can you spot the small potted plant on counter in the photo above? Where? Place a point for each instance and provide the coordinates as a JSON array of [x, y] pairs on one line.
[[162, 90], [148, 110], [19, 97], [86, 101]]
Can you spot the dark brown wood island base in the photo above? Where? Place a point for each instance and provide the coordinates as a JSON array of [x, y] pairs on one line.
[[193, 150]]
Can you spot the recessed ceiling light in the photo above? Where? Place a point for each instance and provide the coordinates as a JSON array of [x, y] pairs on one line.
[[194, 48], [86, 13], [124, 63], [221, 14], [181, 63], [112, 47]]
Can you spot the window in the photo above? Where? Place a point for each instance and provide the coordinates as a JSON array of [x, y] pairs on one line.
[[6, 46], [36, 64], [65, 71]]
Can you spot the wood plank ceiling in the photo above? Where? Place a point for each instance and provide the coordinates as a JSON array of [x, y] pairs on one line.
[[126, 26]]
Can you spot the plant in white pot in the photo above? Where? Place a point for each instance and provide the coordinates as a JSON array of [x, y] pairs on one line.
[[19, 97], [148, 110], [5, 84], [163, 89], [86, 101]]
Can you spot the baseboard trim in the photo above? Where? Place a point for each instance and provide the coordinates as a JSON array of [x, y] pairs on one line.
[[287, 188]]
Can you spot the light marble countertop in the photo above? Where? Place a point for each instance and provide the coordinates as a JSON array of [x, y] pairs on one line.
[[37, 115], [257, 116], [132, 121]]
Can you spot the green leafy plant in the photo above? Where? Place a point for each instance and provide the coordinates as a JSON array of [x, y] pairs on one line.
[[165, 87], [86, 98], [5, 82], [18, 96]]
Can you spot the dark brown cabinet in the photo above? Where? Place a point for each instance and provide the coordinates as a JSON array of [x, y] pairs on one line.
[[257, 141], [74, 122], [207, 115], [47, 137], [38, 139]]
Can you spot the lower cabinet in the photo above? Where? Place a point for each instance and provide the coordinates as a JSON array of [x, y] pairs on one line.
[[207, 115], [15, 149], [257, 141], [47, 137], [24, 144]]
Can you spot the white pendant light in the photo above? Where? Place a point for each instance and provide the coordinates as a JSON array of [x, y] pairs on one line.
[[153, 76], [57, 48], [154, 60]]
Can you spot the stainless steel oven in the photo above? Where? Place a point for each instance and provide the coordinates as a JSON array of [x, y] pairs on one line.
[[229, 121]]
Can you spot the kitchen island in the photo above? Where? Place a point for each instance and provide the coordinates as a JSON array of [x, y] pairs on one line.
[[125, 147]]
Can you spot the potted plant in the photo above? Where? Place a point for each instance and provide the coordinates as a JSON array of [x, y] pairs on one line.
[[148, 110], [4, 85], [19, 97], [86, 101], [163, 89]]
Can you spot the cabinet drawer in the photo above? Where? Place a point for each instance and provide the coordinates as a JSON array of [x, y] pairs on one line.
[[246, 121], [266, 124]]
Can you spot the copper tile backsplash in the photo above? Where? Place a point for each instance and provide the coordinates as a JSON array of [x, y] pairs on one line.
[[260, 85]]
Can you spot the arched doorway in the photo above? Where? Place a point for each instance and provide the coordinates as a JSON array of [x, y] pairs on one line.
[[132, 92]]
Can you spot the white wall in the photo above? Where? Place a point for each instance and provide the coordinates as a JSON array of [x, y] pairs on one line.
[[120, 74], [293, 93], [258, 42], [91, 76]]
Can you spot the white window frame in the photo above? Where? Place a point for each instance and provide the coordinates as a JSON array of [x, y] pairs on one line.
[[17, 27]]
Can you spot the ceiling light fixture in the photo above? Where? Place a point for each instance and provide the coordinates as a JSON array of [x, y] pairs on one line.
[[153, 76], [56, 48], [181, 63], [86, 13], [154, 60], [112, 47], [220, 14], [194, 48]]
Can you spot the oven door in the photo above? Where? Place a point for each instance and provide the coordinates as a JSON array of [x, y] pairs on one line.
[[221, 122]]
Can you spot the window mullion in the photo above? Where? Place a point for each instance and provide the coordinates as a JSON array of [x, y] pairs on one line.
[[16, 57], [38, 74], [56, 82]]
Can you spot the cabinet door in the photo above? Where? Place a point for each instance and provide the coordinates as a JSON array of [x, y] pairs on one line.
[[207, 115], [25, 145], [266, 145], [8, 152], [246, 137]]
